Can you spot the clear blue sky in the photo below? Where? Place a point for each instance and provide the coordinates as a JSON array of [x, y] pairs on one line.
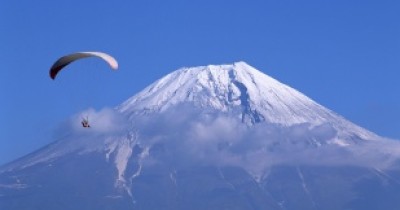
[[345, 54]]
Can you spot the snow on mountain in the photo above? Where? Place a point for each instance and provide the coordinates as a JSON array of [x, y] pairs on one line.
[[225, 88], [242, 90]]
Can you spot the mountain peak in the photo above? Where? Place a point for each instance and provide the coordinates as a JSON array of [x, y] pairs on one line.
[[237, 87], [240, 90]]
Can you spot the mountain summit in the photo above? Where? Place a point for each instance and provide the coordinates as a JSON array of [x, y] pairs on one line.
[[229, 88], [209, 137], [241, 90]]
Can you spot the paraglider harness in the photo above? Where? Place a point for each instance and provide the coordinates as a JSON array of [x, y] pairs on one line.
[[85, 122]]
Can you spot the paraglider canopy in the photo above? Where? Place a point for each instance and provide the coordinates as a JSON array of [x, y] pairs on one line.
[[66, 60]]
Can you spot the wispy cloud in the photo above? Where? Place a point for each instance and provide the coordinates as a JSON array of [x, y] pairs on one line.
[[103, 121], [185, 137]]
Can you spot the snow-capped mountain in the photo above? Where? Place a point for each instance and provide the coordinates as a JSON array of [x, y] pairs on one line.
[[209, 137], [237, 87], [242, 90]]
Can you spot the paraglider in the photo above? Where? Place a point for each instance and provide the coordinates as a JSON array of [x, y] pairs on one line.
[[85, 122], [66, 60]]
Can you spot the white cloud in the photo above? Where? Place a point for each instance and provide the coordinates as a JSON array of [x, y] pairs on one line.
[[182, 137], [197, 138], [106, 121]]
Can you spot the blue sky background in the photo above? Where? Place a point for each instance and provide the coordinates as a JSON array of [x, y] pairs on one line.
[[344, 54]]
